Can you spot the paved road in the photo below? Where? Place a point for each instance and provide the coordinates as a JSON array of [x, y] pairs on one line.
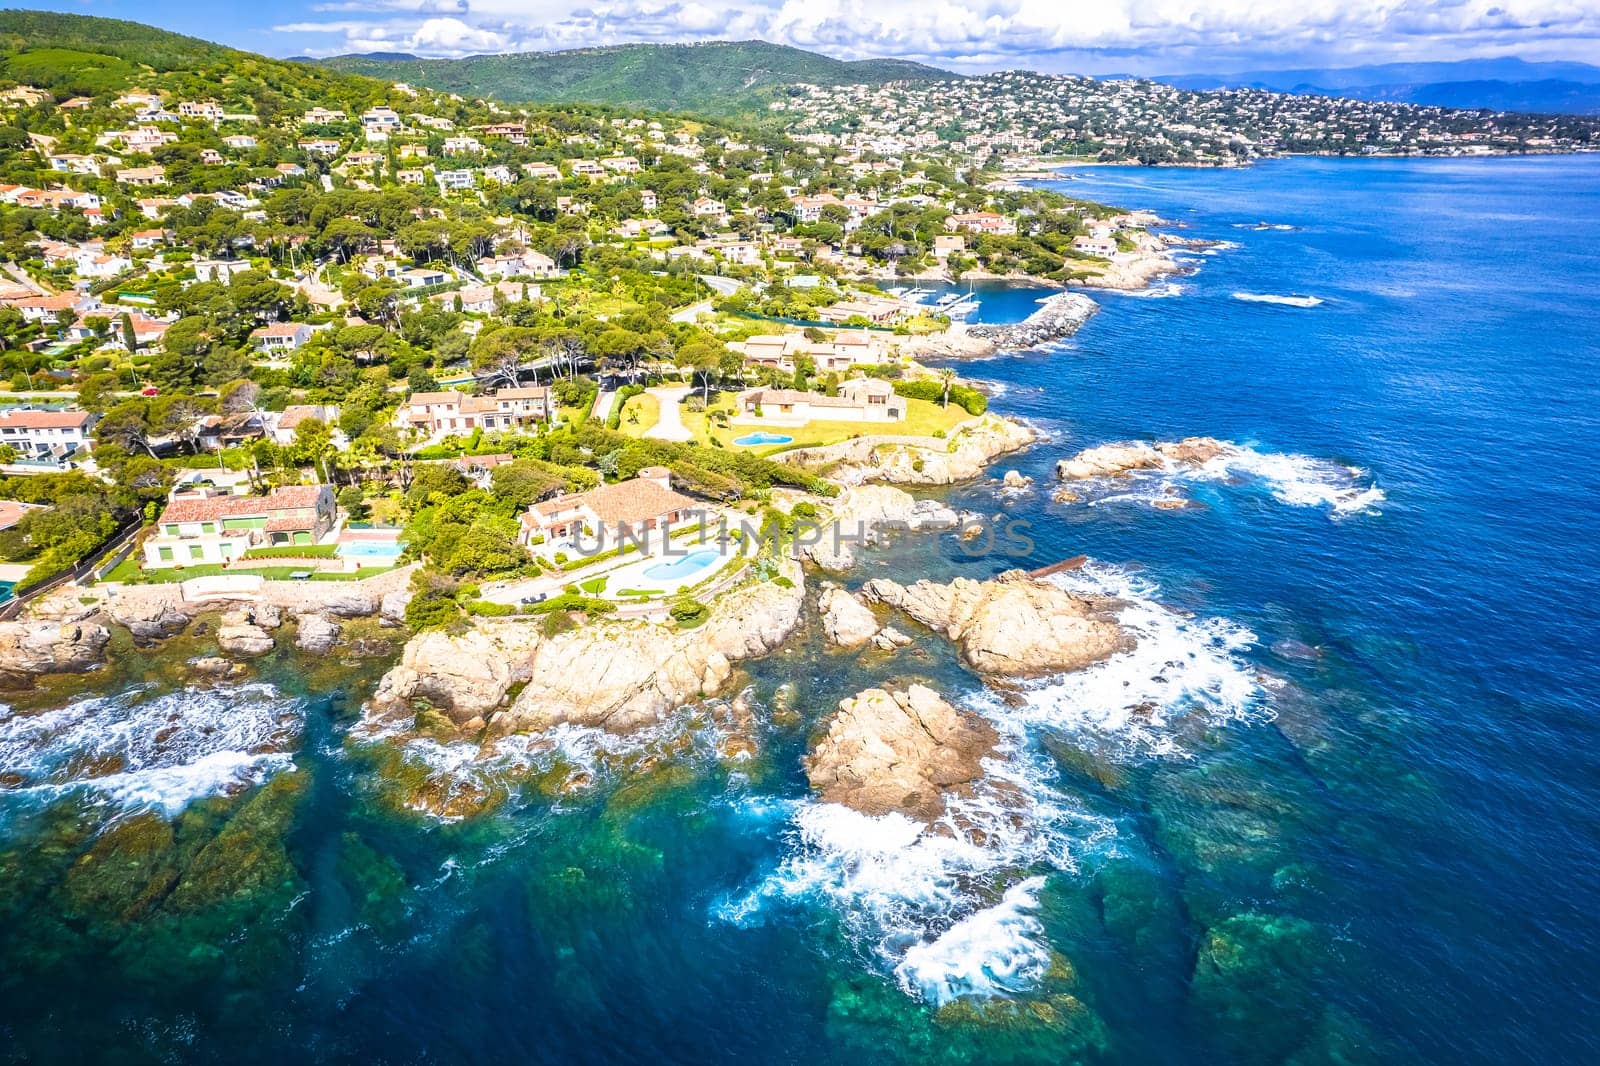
[[692, 312], [602, 404], [670, 425]]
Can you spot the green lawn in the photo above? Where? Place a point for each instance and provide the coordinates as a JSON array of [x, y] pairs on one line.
[[923, 418], [640, 414], [128, 571]]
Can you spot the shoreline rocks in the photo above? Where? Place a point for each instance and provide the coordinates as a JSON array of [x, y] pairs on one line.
[[961, 456], [1117, 460], [1014, 625], [31, 649], [899, 751], [863, 513], [316, 634], [610, 674], [846, 621]]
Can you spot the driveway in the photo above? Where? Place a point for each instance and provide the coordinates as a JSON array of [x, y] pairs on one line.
[[670, 425]]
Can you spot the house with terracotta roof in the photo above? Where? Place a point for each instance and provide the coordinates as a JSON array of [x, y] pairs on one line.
[[859, 400], [442, 414], [47, 434], [203, 526], [281, 336], [629, 509], [289, 419]]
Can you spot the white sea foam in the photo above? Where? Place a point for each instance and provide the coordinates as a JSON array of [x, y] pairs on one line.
[[995, 951], [140, 749], [1301, 480], [948, 910], [1294, 300], [1156, 292], [1295, 480], [1177, 667]]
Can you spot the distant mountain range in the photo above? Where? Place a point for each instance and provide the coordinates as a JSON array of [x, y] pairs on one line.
[[722, 78], [1500, 84]]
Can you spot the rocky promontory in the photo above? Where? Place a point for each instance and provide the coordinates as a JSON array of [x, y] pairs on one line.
[[904, 460], [1014, 625], [906, 751], [613, 674]]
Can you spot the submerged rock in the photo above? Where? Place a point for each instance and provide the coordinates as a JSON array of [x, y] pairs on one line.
[[846, 621], [898, 751], [1012, 626]]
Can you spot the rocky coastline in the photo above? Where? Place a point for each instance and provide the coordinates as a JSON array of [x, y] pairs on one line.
[[1059, 316], [902, 460]]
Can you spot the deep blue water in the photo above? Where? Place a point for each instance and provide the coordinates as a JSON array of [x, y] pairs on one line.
[[1346, 808]]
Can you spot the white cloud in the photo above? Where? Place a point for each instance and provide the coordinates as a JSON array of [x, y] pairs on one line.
[[1098, 35]]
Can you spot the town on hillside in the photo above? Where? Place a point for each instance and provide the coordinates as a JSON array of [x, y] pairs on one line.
[[342, 326]]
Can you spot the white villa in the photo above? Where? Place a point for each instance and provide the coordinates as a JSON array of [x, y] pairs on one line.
[[846, 350], [46, 434], [440, 414]]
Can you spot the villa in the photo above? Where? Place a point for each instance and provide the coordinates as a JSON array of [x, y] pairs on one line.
[[629, 508], [859, 400], [443, 413], [46, 434], [846, 351], [282, 336], [208, 526]]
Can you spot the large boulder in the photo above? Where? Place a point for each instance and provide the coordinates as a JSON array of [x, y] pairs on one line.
[[316, 634], [243, 639], [1109, 460], [32, 648], [147, 619], [846, 621], [349, 605], [392, 608], [1195, 450], [898, 751], [1015, 625]]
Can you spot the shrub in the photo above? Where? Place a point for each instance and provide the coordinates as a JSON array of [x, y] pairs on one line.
[[964, 396], [689, 612]]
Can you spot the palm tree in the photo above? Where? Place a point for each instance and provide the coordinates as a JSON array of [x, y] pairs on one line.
[[948, 376]]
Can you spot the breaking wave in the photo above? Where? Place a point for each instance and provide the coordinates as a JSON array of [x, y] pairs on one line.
[[1294, 480], [949, 910], [139, 749], [1292, 300]]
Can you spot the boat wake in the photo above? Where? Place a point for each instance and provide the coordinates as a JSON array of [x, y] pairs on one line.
[[1292, 300], [949, 910], [137, 749]]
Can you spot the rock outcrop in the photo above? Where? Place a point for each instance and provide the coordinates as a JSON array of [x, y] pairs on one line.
[[1012, 626], [1058, 316], [898, 751], [899, 460], [1115, 460], [148, 620], [863, 514], [612, 674], [392, 609], [29, 649], [316, 634], [846, 621], [349, 605]]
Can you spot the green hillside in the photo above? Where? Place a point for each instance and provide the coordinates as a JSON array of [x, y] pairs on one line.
[[727, 78], [89, 55]]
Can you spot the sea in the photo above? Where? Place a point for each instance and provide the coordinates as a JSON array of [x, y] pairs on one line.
[[1338, 801]]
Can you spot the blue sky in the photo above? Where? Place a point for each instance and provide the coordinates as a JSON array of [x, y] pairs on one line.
[[1087, 36]]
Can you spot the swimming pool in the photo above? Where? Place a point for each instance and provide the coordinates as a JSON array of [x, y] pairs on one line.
[[694, 563], [750, 439], [381, 550]]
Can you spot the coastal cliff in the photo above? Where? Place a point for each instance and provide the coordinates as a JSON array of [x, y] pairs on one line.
[[614, 675]]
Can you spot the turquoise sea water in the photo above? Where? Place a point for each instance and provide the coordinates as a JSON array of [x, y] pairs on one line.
[[1338, 805]]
